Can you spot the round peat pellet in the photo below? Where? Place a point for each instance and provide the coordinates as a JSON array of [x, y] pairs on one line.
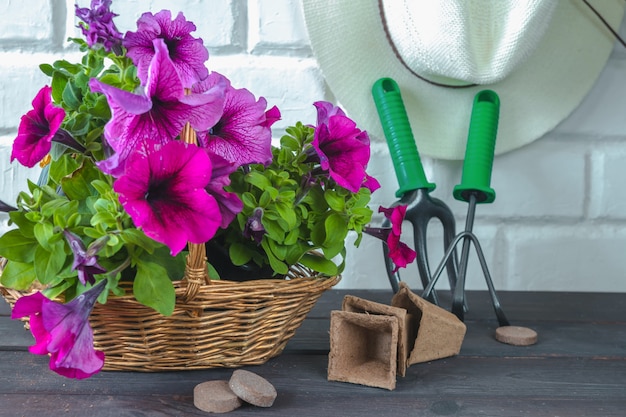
[[516, 335], [252, 388], [215, 397]]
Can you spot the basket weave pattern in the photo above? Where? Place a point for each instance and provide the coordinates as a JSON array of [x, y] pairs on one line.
[[226, 324]]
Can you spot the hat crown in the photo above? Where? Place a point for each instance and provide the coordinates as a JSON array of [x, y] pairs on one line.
[[465, 41]]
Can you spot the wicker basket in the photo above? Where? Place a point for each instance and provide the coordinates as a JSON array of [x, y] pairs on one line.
[[215, 323], [224, 324]]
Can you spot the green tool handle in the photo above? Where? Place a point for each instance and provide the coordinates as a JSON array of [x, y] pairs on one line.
[[395, 122], [479, 151]]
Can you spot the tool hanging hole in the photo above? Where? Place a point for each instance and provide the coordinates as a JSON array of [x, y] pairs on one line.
[[487, 96], [388, 85]]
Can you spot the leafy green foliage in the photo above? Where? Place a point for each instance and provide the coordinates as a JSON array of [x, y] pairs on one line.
[[304, 211], [75, 196]]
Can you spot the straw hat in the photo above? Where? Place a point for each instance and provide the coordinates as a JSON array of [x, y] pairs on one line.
[[540, 56]]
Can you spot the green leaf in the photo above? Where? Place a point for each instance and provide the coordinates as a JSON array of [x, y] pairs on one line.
[[18, 275], [273, 229], [292, 237], [103, 205], [173, 265], [258, 180], [47, 69], [336, 229], [213, 274], [278, 266], [249, 200], [101, 110], [43, 234], [139, 238], [295, 252], [153, 288], [265, 199], [239, 254], [287, 214], [14, 246], [333, 250], [57, 206], [59, 81], [111, 79], [60, 288], [319, 264], [62, 64], [280, 251], [25, 225], [103, 217], [72, 96], [315, 198], [73, 220], [335, 201], [49, 263], [289, 142], [78, 124], [77, 186], [102, 187], [336, 232], [62, 167]]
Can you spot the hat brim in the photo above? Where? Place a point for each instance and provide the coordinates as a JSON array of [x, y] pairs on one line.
[[349, 42]]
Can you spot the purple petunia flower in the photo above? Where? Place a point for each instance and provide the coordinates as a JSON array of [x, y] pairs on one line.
[[37, 129], [85, 259], [164, 192], [254, 227], [243, 134], [159, 115], [187, 53], [343, 148], [63, 331], [399, 252], [229, 203], [98, 27]]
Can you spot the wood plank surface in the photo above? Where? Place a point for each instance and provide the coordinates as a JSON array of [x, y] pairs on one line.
[[577, 368], [455, 386]]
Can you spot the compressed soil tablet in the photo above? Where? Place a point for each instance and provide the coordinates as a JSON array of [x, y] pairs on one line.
[[515, 335], [252, 388], [215, 397]]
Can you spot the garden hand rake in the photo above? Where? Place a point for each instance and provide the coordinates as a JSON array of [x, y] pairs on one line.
[[475, 188]]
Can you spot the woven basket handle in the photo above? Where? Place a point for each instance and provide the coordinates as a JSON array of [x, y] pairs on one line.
[[196, 273]]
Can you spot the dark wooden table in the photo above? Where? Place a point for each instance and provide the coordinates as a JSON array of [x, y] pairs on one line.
[[578, 368]]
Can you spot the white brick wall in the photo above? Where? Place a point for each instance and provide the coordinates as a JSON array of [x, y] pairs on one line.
[[559, 220]]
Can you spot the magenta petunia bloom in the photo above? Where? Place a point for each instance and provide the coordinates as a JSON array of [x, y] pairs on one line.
[[229, 203], [243, 134], [271, 117], [371, 183], [399, 252], [159, 115], [98, 27], [187, 53], [164, 193], [85, 259], [37, 129], [343, 149], [63, 331]]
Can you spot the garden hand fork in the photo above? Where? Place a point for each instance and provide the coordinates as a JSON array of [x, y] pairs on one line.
[[414, 187]]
